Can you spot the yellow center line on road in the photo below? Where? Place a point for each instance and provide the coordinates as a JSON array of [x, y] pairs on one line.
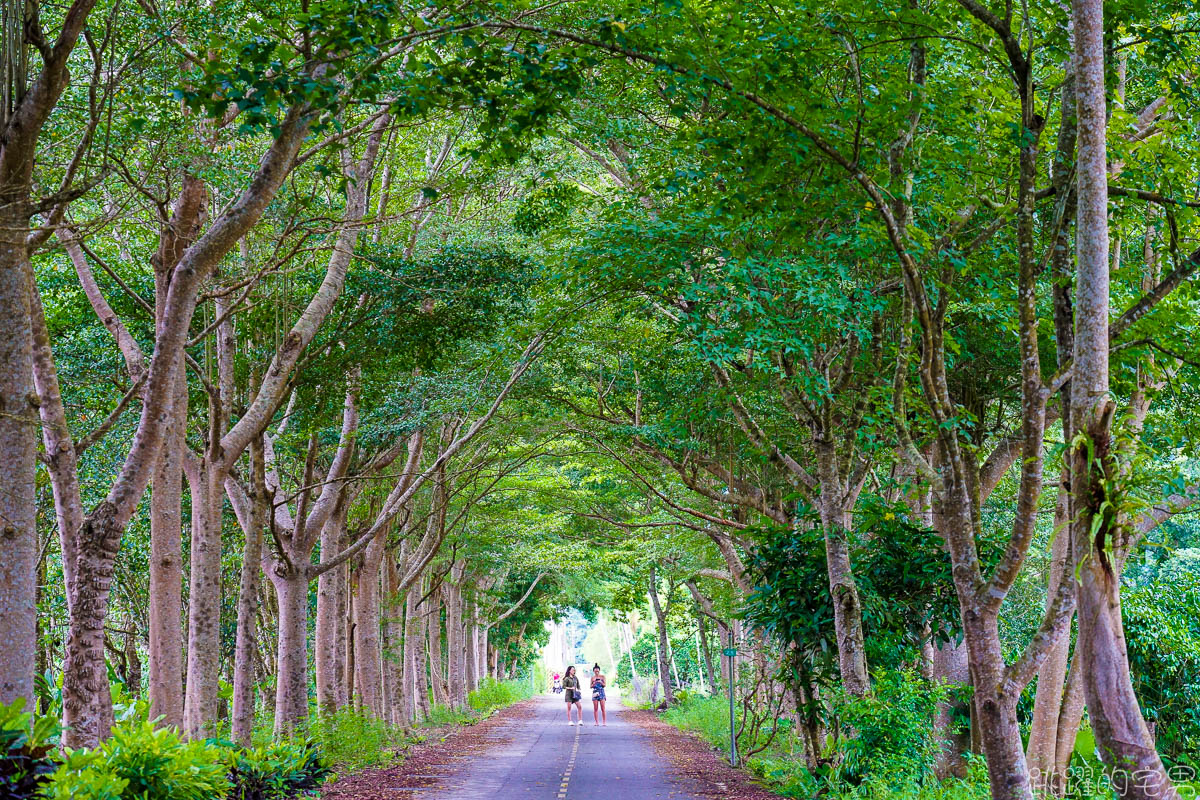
[[566, 780]]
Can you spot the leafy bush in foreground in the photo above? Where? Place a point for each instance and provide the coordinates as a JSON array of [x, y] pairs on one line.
[[276, 771], [142, 762], [153, 763], [26, 762]]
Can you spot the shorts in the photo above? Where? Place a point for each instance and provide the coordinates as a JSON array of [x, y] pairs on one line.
[[598, 693], [572, 695]]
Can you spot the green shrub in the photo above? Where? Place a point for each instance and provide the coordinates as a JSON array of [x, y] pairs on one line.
[[894, 742], [276, 771], [139, 761], [493, 694], [84, 775], [26, 751], [443, 716], [350, 740], [891, 754], [707, 716], [159, 766]]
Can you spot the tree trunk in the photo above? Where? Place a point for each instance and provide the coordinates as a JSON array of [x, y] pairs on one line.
[[330, 628], [950, 666], [420, 663], [367, 653], [86, 714], [456, 677], [345, 645], [1122, 737], [166, 567], [471, 646], [350, 672], [133, 664], [243, 663], [437, 668], [664, 642], [999, 730], [397, 697], [706, 652], [291, 680], [847, 607], [246, 642], [413, 641], [1047, 704], [204, 603], [485, 650], [18, 447], [1070, 717]]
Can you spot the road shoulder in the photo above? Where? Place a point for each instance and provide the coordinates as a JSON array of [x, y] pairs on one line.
[[426, 763], [694, 763]]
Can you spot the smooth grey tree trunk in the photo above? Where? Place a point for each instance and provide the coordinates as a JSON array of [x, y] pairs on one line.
[[1122, 737]]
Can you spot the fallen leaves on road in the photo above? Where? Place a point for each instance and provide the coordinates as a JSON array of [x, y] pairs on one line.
[[424, 763], [694, 763]]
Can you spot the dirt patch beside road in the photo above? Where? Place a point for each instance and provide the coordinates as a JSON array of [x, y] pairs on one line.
[[695, 763], [425, 762]]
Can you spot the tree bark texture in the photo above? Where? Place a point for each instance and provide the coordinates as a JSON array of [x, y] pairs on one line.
[[664, 643], [1122, 737]]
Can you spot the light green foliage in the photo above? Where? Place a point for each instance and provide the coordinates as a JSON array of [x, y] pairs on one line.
[[493, 694], [351, 740], [85, 776], [442, 717], [153, 764]]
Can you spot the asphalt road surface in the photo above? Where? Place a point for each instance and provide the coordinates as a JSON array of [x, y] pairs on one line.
[[543, 758]]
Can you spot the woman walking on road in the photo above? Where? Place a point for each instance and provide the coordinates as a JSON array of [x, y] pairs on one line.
[[598, 698], [570, 684]]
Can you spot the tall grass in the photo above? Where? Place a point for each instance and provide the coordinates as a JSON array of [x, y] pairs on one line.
[[352, 740], [493, 694]]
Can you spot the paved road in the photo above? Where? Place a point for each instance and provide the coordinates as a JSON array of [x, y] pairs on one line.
[[542, 758]]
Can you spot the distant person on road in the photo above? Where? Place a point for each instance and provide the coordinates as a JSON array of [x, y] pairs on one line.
[[598, 699], [574, 698], [556, 687]]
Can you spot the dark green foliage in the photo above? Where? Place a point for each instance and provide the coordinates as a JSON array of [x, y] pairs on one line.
[[263, 74], [420, 306], [277, 771], [544, 207], [26, 752], [894, 743], [1162, 630], [904, 584], [789, 603]]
